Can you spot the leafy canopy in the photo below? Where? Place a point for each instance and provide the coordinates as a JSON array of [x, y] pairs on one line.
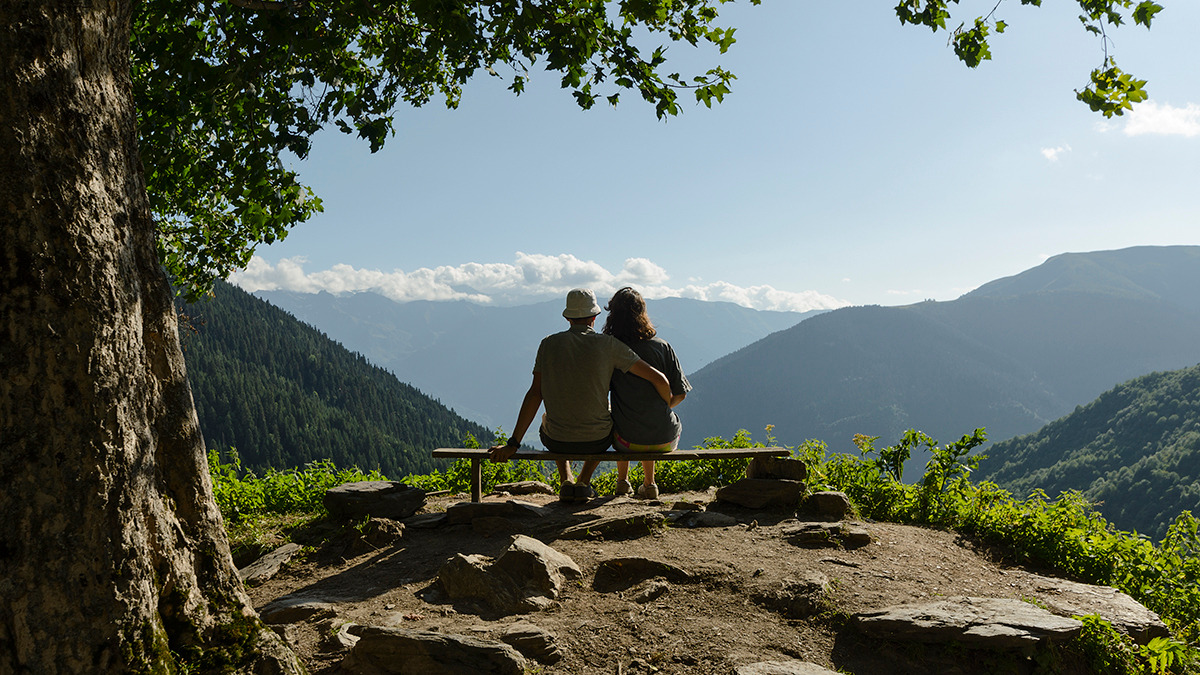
[[1109, 90], [224, 87]]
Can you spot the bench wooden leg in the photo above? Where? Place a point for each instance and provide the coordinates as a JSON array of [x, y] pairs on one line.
[[476, 480]]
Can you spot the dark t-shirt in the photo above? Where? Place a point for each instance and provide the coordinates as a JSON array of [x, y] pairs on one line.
[[639, 414]]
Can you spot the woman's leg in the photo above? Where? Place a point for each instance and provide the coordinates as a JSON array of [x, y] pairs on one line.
[[647, 473]]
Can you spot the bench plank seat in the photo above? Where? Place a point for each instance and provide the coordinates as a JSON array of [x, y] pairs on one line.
[[480, 455]]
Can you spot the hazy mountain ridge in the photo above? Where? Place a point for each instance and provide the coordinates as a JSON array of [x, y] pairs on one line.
[[1145, 272], [478, 359], [1135, 450], [1010, 356]]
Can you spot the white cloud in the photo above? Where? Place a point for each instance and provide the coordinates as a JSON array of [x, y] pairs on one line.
[[1053, 153], [1151, 118], [530, 278]]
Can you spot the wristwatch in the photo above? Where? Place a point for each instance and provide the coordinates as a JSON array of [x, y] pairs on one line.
[[512, 443]]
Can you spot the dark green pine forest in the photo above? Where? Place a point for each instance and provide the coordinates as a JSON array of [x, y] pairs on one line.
[[1135, 451], [283, 394]]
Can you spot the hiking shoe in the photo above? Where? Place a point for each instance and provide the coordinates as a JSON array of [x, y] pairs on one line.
[[584, 492], [623, 488], [648, 491], [566, 492]]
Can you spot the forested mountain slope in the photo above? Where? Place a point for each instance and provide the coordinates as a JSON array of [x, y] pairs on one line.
[[1135, 451], [1010, 356], [283, 394]]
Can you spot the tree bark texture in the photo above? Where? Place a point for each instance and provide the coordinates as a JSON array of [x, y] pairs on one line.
[[113, 557]]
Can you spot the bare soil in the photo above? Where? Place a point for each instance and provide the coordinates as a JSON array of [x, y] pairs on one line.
[[708, 626]]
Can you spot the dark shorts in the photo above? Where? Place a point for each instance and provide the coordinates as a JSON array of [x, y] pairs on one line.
[[582, 447]]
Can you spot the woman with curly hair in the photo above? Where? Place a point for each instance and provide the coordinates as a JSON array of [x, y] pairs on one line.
[[642, 420]]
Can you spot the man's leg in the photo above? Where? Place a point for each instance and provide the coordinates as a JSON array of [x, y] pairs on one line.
[[564, 471], [647, 473], [585, 473]]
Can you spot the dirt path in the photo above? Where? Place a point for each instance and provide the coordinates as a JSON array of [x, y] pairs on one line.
[[707, 626]]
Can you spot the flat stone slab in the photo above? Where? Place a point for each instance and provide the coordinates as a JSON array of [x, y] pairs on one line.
[[992, 623], [295, 609], [377, 498], [1069, 598], [819, 535], [525, 487], [616, 527], [618, 574], [465, 512], [782, 668], [394, 651], [268, 566]]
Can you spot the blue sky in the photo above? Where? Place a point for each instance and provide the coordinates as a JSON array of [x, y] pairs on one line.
[[855, 162]]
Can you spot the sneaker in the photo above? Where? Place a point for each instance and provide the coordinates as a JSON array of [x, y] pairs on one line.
[[566, 492], [648, 491], [584, 492], [623, 488]]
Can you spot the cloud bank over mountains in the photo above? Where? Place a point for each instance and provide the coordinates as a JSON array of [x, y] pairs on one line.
[[530, 278]]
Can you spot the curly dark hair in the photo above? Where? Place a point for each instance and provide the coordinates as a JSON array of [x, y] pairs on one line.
[[627, 319]]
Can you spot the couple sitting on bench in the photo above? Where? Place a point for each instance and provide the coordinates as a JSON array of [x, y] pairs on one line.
[[573, 374]]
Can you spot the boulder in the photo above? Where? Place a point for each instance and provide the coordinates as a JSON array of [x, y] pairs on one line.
[[762, 493], [777, 467], [269, 565], [377, 498], [782, 668], [533, 642], [827, 505], [616, 527], [989, 623], [395, 651], [526, 577]]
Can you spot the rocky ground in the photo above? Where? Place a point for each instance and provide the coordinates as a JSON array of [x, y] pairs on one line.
[[725, 612]]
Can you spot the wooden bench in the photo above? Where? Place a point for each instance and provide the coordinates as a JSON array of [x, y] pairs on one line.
[[480, 455]]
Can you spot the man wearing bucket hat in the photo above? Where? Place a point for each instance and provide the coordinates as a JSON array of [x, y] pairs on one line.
[[571, 376]]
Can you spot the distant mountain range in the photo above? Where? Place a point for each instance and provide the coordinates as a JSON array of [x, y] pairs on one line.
[[283, 394], [1135, 451], [1010, 356], [478, 360]]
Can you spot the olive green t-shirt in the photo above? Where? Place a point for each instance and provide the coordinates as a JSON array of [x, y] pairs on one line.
[[576, 366]]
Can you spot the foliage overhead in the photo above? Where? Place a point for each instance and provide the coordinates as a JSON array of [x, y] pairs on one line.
[[224, 87], [1109, 90]]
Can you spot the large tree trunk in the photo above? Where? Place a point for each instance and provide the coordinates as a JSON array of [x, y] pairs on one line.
[[112, 553]]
